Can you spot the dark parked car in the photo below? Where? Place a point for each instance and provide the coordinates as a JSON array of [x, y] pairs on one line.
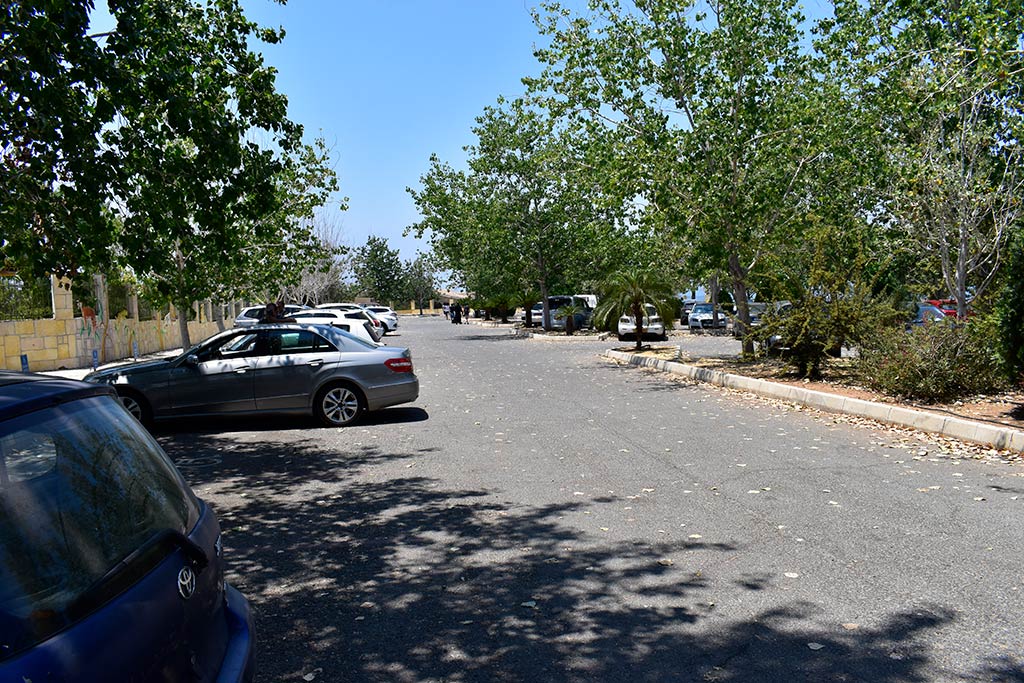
[[283, 368], [757, 310], [582, 319], [110, 567]]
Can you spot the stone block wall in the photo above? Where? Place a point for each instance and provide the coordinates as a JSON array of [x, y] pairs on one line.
[[67, 341]]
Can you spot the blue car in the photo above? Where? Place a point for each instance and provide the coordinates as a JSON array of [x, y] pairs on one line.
[[110, 567]]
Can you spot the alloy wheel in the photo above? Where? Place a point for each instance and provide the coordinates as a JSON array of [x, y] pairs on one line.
[[340, 405]]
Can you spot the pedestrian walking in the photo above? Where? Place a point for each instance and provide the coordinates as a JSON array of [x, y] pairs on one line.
[[446, 309]]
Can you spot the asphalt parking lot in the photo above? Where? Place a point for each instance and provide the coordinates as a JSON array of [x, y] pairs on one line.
[[543, 515]]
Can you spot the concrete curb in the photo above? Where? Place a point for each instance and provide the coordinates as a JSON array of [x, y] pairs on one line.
[[1003, 438]]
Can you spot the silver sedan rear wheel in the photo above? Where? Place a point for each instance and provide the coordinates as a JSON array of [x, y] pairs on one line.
[[339, 406], [132, 406], [136, 405]]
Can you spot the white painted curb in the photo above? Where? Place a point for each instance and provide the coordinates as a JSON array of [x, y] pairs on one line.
[[1003, 438]]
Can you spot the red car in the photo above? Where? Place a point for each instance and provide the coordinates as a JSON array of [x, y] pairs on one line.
[[948, 306]]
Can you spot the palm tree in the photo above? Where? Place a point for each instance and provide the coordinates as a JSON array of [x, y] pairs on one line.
[[569, 313], [628, 290]]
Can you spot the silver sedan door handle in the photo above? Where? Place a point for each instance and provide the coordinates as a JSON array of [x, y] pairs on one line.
[[317, 362], [241, 370]]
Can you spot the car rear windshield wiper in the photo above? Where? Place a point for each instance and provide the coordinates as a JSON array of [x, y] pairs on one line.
[[133, 567]]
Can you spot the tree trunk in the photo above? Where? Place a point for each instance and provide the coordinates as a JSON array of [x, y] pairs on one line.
[[638, 324], [713, 286], [186, 342], [739, 296], [545, 316], [961, 276]]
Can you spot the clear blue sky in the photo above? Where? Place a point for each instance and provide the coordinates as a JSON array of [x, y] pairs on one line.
[[388, 82], [391, 81]]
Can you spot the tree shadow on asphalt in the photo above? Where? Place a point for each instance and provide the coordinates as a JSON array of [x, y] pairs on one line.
[[643, 380], [269, 423], [401, 579], [1002, 671], [485, 337]]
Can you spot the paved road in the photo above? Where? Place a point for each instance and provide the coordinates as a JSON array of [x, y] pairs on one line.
[[543, 515]]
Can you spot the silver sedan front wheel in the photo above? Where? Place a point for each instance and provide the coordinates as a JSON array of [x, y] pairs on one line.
[[339, 406]]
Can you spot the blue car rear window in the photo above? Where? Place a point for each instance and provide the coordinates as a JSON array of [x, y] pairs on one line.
[[82, 485]]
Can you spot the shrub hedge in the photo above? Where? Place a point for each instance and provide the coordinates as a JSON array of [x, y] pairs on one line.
[[934, 363]]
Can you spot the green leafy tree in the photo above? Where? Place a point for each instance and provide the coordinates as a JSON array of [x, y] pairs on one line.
[[379, 271], [521, 219], [1010, 309], [627, 291], [51, 176], [162, 112], [196, 197], [834, 299], [711, 114], [420, 280], [945, 78]]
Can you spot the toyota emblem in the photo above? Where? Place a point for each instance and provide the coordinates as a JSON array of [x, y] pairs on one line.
[[186, 582]]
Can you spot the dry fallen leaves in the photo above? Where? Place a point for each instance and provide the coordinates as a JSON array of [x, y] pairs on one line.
[[908, 438]]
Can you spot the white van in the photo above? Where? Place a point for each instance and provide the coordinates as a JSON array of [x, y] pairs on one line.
[[589, 298]]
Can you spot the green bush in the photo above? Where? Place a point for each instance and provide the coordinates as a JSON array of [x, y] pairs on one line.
[[935, 362]]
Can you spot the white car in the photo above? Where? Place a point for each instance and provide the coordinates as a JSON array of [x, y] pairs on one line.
[[654, 326], [386, 315], [358, 326], [702, 317], [339, 306], [253, 315]]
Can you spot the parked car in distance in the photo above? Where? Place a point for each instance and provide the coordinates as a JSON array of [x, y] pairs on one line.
[[363, 314], [591, 299], [947, 306], [355, 311], [386, 315], [253, 315], [654, 326], [339, 306], [702, 317], [112, 567], [281, 368], [928, 314], [357, 326], [537, 314], [582, 319], [757, 310], [685, 306]]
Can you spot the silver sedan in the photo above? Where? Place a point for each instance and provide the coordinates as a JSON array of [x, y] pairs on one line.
[[284, 368]]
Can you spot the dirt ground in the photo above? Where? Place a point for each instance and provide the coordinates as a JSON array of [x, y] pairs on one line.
[[1005, 408]]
